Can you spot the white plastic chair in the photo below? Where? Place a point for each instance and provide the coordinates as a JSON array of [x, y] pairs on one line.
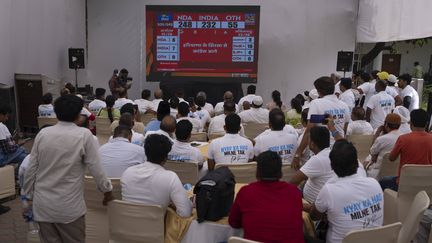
[[186, 171], [243, 173], [133, 222], [413, 179], [384, 234]]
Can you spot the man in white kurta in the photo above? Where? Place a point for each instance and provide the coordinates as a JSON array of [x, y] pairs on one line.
[[54, 179]]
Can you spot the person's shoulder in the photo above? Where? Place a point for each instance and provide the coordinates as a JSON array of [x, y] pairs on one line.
[[136, 148], [245, 140]]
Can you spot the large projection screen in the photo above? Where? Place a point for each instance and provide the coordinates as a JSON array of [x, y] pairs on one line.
[[202, 43]]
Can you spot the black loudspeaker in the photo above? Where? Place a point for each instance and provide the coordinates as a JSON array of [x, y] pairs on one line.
[[344, 61], [76, 58]]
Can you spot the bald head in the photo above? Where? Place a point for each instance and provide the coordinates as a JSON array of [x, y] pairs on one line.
[[168, 124], [228, 96], [158, 94]]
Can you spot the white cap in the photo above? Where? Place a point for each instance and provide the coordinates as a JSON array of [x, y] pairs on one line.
[[257, 100], [392, 79], [313, 94]]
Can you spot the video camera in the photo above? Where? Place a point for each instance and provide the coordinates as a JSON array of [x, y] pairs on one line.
[[122, 79]]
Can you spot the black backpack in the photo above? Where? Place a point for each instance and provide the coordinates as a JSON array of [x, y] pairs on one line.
[[214, 195]]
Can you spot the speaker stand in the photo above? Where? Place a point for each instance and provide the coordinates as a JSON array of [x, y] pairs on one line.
[[76, 78]]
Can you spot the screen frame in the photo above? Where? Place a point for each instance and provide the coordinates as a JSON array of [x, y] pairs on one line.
[[165, 77]]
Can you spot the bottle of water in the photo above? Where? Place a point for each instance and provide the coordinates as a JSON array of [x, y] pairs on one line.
[[28, 217]]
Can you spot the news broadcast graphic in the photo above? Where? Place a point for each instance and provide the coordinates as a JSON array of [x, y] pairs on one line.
[[202, 43]]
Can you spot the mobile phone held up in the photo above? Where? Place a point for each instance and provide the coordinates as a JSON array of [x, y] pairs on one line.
[[314, 118]]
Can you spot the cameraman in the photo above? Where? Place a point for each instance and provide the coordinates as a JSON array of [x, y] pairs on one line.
[[118, 83]]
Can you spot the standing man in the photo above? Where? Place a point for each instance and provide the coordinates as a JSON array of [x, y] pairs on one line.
[[379, 105], [115, 86], [327, 104], [54, 180], [418, 70], [410, 97]]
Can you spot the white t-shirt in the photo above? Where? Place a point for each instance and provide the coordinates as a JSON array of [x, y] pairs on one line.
[[247, 98], [121, 102], [283, 143], [151, 184], [184, 152], [381, 105], [330, 104], [85, 112], [319, 171], [96, 105], [173, 112], [196, 123], [209, 107], [231, 149], [255, 115], [219, 109], [351, 203], [4, 132], [411, 92], [359, 127], [368, 89], [382, 145], [391, 91], [287, 129], [144, 105], [348, 98], [159, 132], [307, 153], [137, 138], [204, 116], [405, 128], [156, 103], [118, 155], [217, 124], [46, 110]]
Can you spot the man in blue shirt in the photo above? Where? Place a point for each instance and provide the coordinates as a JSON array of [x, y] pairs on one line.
[[162, 111]]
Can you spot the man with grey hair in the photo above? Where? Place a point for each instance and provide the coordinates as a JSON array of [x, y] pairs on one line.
[[207, 106], [228, 97]]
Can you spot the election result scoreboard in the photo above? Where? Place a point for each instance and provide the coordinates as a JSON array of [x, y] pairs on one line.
[[202, 43]]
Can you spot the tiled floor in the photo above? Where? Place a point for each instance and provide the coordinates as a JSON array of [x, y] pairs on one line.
[[13, 228]]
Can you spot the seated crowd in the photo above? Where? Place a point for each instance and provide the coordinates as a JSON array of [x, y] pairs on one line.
[[313, 137]]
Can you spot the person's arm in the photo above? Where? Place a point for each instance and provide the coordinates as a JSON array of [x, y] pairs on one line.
[[315, 214], [92, 160], [321, 204], [235, 215], [398, 100], [394, 154], [331, 127], [211, 164], [180, 198], [304, 142], [30, 173], [297, 178], [8, 146], [407, 101], [368, 114]]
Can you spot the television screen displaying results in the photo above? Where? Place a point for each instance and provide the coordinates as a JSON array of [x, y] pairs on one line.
[[202, 43]]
